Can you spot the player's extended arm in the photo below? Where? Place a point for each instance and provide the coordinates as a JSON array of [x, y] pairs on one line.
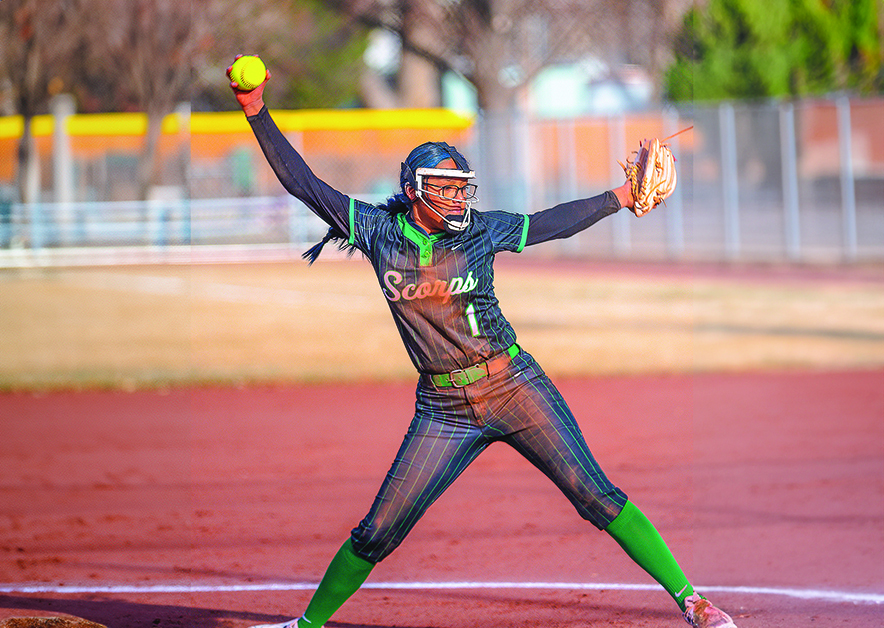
[[295, 175], [288, 165], [563, 221]]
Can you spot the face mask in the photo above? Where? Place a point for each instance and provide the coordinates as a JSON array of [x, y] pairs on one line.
[[465, 194]]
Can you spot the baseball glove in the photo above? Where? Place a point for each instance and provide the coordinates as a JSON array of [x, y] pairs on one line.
[[651, 174]]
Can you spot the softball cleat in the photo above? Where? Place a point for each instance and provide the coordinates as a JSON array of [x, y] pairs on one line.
[[700, 613]]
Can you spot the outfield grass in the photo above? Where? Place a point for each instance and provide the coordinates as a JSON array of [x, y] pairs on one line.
[[129, 327]]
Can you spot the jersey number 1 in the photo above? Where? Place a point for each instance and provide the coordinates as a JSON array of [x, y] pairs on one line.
[[471, 319]]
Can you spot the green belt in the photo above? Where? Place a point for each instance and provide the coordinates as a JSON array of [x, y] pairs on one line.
[[463, 377]]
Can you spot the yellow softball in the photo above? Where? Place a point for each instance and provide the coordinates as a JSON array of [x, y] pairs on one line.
[[248, 71]]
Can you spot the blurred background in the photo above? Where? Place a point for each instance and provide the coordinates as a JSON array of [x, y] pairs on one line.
[[146, 246], [120, 140]]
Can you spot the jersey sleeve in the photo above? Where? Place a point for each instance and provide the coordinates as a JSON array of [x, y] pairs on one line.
[[508, 231], [297, 178], [563, 221], [364, 222]]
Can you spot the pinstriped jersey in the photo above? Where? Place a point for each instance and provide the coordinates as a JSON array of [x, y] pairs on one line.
[[440, 287]]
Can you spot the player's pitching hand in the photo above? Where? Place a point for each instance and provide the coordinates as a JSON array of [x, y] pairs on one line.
[[251, 100]]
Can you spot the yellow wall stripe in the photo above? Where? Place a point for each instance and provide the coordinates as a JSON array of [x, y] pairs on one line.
[[99, 124]]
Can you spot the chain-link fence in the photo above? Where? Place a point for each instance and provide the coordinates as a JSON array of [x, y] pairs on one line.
[[800, 181], [797, 181]]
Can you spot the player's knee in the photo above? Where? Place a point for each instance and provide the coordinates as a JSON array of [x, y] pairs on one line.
[[375, 550], [374, 542], [601, 509]]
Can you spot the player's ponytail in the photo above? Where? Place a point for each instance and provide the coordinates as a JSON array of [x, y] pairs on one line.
[[333, 234]]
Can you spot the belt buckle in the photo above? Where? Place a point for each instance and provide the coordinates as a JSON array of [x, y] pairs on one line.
[[454, 376]]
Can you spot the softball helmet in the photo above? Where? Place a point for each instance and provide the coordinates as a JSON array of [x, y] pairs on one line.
[[421, 164]]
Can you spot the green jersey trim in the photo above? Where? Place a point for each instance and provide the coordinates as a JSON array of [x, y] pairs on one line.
[[524, 235], [423, 242], [352, 239]]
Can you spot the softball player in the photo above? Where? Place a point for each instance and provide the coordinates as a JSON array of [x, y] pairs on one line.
[[433, 256]]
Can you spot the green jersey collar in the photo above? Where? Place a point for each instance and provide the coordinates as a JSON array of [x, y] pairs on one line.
[[423, 241]]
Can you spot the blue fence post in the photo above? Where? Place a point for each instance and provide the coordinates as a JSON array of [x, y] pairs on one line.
[[848, 191], [675, 205], [730, 180], [622, 228], [789, 156]]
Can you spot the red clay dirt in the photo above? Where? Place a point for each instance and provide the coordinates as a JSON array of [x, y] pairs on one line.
[[769, 481]]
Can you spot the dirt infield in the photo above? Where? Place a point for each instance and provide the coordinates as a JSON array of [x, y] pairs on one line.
[[219, 507], [153, 477]]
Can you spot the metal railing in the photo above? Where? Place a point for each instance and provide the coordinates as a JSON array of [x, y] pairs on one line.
[[781, 181]]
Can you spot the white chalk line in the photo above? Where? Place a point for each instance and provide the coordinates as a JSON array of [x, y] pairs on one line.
[[802, 594]]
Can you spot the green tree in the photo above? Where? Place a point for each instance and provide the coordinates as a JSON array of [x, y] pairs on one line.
[[324, 68], [776, 48], [314, 53]]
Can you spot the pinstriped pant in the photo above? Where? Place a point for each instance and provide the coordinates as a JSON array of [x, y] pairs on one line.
[[519, 406]]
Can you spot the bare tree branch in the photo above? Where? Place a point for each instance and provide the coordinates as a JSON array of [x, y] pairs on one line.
[[500, 45], [39, 46]]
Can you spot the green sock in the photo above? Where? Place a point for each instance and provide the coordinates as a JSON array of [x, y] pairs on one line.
[[344, 576], [641, 541]]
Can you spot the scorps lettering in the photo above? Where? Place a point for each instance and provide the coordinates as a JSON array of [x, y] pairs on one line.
[[393, 281]]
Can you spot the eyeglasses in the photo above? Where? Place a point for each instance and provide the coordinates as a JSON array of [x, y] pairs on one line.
[[450, 192]]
